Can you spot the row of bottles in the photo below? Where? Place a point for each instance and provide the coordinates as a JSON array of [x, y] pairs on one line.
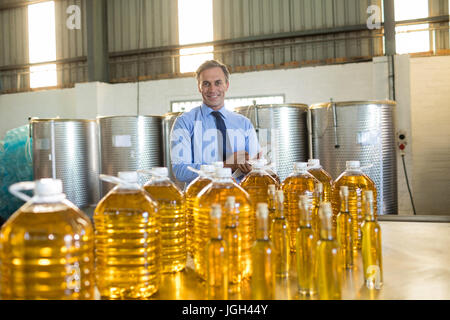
[[141, 232]]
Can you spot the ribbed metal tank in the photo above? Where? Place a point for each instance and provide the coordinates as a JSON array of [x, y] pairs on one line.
[[129, 143], [363, 131], [167, 124], [282, 133], [67, 149]]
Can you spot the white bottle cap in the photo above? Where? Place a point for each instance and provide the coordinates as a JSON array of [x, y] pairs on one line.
[[271, 188], [160, 171], [368, 194], [343, 191], [128, 176], [261, 210], [216, 211], [299, 166], [352, 165], [218, 164], [313, 163], [223, 172], [259, 163], [207, 168], [48, 187]]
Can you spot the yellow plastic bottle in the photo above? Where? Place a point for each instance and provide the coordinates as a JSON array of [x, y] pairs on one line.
[[298, 183], [127, 241], [46, 247], [325, 178], [280, 238], [306, 250], [328, 258], [234, 242], [263, 264], [270, 169], [172, 217], [371, 245], [204, 178], [343, 230], [257, 182], [216, 255], [217, 192], [357, 182]]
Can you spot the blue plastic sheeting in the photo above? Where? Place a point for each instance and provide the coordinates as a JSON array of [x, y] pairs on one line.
[[16, 165]]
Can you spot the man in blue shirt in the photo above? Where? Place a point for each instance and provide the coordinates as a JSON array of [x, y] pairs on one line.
[[197, 135]]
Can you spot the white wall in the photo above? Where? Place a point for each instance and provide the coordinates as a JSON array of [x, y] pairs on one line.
[[430, 120]]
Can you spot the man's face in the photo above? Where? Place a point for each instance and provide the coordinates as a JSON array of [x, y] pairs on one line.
[[212, 85]]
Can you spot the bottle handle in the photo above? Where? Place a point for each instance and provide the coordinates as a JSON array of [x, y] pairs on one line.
[[15, 189], [195, 170], [115, 180], [148, 172]]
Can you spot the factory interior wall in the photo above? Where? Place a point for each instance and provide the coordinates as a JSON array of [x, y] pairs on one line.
[[421, 84]]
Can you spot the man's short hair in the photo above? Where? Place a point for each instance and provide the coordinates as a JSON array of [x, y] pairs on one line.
[[208, 64]]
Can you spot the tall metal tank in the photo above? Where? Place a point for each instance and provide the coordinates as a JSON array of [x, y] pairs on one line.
[[360, 130], [167, 124], [282, 133], [129, 143], [67, 149]]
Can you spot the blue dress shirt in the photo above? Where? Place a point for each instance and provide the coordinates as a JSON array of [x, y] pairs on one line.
[[194, 139]]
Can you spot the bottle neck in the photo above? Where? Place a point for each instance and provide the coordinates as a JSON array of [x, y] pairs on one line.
[[305, 217], [279, 212], [215, 230], [48, 199], [369, 211], [344, 204], [223, 180], [262, 230], [231, 219]]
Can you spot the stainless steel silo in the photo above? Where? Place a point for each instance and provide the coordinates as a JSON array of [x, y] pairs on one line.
[[67, 149], [167, 124], [282, 133], [363, 131], [129, 143]]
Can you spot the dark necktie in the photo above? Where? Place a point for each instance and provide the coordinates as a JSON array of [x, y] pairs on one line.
[[220, 125]]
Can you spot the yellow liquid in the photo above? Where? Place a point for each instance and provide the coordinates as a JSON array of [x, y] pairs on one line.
[[217, 192], [173, 225], [233, 240], [217, 269], [128, 247], [343, 231], [190, 195], [357, 184], [294, 186], [47, 252], [324, 177], [306, 260], [281, 244], [257, 186], [328, 270], [263, 270], [371, 254]]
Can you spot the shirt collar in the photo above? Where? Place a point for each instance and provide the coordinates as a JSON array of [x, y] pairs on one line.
[[207, 110]]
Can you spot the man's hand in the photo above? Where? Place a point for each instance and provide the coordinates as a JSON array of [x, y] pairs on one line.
[[238, 160]]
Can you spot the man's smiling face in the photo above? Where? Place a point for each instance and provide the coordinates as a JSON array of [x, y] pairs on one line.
[[213, 85]]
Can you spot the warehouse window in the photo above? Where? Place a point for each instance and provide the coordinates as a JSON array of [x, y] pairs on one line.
[[42, 43], [414, 37], [231, 103], [195, 25]]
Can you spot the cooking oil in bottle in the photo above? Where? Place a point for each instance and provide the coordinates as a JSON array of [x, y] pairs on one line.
[[320, 174], [306, 249], [127, 241], [233, 240], [216, 259], [46, 247], [318, 196], [343, 230], [371, 244], [270, 169], [172, 217], [263, 265], [204, 178], [328, 260], [298, 183], [357, 182], [257, 182], [217, 192], [280, 238]]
